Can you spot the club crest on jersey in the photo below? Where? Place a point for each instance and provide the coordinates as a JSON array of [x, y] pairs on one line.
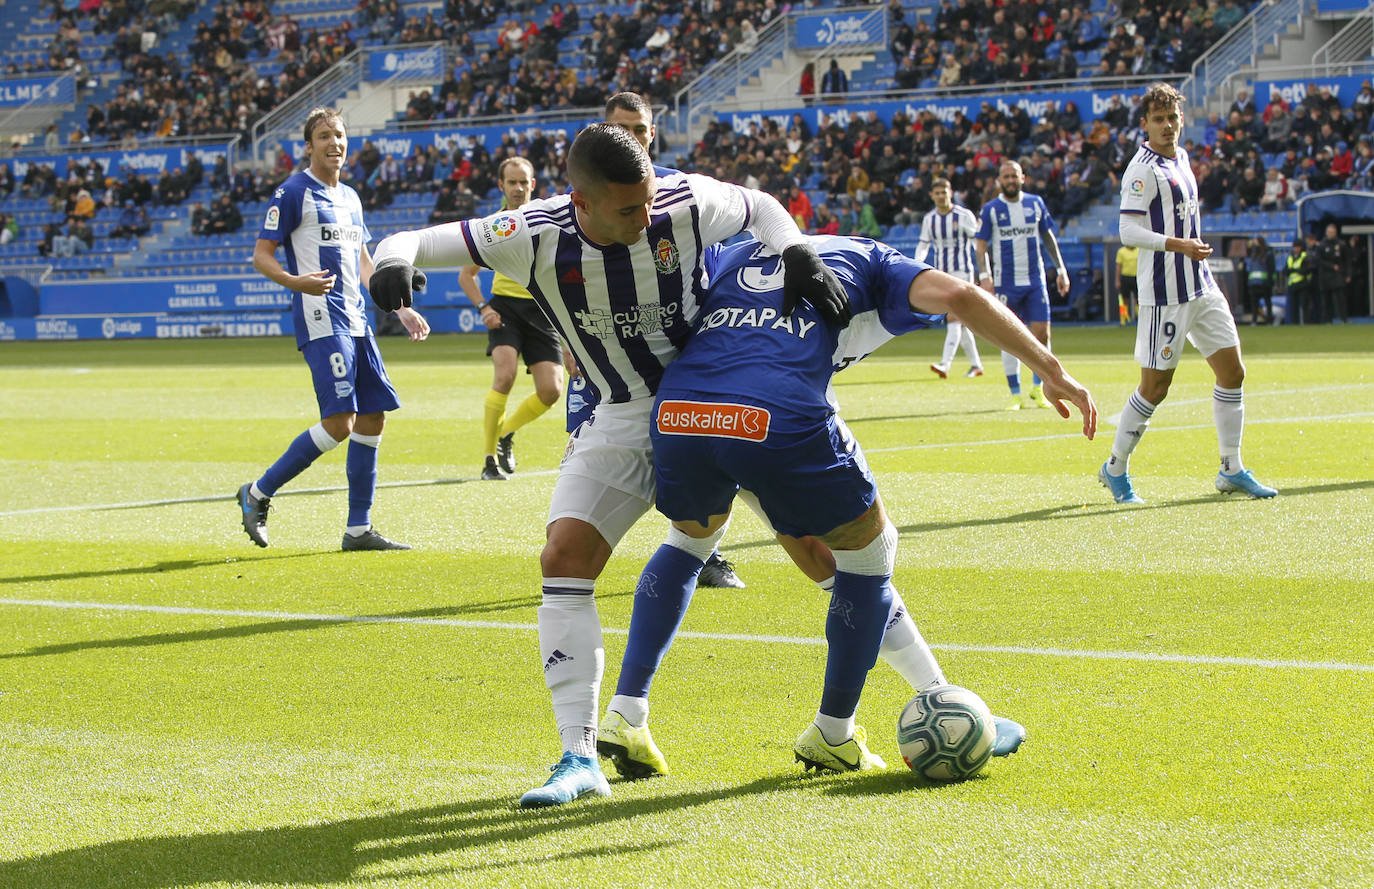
[[273, 219], [666, 258], [1166, 353]]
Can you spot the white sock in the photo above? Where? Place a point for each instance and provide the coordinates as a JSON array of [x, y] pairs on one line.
[[573, 656], [357, 530], [952, 332], [1228, 410], [970, 347], [1135, 418], [834, 729], [635, 710], [1011, 366], [905, 649]]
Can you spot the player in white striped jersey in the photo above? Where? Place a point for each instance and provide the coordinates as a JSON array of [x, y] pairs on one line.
[[946, 243], [1179, 300], [617, 267], [1014, 226], [319, 221]]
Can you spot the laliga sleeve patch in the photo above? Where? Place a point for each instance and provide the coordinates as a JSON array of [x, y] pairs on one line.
[[498, 228], [273, 219]]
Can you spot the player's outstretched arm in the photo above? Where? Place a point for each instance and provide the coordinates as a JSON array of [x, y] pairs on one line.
[[805, 277], [938, 293], [396, 278]]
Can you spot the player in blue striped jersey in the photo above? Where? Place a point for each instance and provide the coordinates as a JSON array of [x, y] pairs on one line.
[[616, 265], [749, 403], [946, 243], [1014, 227], [1179, 300], [319, 222]]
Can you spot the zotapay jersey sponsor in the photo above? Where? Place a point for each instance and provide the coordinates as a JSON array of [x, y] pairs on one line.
[[946, 242], [1162, 192], [625, 311], [744, 348], [1013, 231], [321, 228]]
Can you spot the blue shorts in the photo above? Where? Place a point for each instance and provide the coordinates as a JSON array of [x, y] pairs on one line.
[[349, 375], [809, 480], [1027, 303]]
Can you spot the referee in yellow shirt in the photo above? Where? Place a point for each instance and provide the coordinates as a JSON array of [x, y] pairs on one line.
[[515, 326], [1127, 296]]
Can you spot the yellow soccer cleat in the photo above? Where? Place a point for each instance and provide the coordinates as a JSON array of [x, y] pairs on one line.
[[1037, 397], [1015, 403], [631, 749], [814, 752]]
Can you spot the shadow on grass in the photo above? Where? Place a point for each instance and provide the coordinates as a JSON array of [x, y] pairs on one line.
[[338, 851], [1087, 510], [155, 568]]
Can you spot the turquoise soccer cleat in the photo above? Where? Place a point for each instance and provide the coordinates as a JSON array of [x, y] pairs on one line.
[[814, 752], [1010, 734], [1120, 486], [1244, 482], [630, 748], [573, 776]]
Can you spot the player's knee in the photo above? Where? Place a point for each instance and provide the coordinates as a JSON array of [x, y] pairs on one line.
[[339, 426], [573, 549]]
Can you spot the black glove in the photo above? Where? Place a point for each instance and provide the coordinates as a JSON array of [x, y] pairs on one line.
[[806, 277], [393, 282]]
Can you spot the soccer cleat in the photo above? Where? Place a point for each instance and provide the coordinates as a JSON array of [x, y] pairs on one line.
[[490, 473], [1037, 397], [254, 514], [1243, 481], [973, 372], [941, 370], [505, 452], [631, 749], [573, 776], [370, 540], [719, 573], [1119, 485], [1009, 736], [1015, 403], [814, 752]]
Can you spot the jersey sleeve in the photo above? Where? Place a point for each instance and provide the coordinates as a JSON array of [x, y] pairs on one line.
[[1138, 189], [984, 232], [968, 223], [502, 242], [725, 208], [892, 274], [923, 243], [1047, 224], [283, 215]]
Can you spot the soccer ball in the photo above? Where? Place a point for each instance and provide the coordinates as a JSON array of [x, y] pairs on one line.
[[946, 734]]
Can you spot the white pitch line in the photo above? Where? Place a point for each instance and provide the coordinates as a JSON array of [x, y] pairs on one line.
[[982, 442], [1079, 653], [1067, 435]]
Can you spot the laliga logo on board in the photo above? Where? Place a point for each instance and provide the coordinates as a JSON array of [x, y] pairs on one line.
[[395, 63]]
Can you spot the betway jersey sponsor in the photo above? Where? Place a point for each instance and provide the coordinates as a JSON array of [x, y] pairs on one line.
[[1163, 191], [947, 242], [321, 228], [1013, 232], [624, 311], [744, 349]]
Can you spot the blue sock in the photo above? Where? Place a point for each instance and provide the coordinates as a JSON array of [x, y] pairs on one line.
[[853, 632], [361, 467], [299, 455], [661, 597], [1015, 383], [1035, 379]]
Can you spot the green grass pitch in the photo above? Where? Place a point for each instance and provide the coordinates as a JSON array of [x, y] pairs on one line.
[[179, 708]]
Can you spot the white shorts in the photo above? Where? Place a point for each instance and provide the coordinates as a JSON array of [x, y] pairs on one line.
[[607, 475], [1204, 322]]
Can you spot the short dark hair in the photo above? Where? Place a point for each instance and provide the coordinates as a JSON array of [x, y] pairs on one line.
[[1159, 95], [939, 182], [318, 114], [607, 152], [628, 101]]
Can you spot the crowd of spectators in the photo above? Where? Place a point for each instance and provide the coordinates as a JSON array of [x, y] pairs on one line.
[[1266, 158], [981, 42]]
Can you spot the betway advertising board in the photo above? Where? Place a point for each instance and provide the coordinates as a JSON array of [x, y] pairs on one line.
[[150, 161], [1092, 104]]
